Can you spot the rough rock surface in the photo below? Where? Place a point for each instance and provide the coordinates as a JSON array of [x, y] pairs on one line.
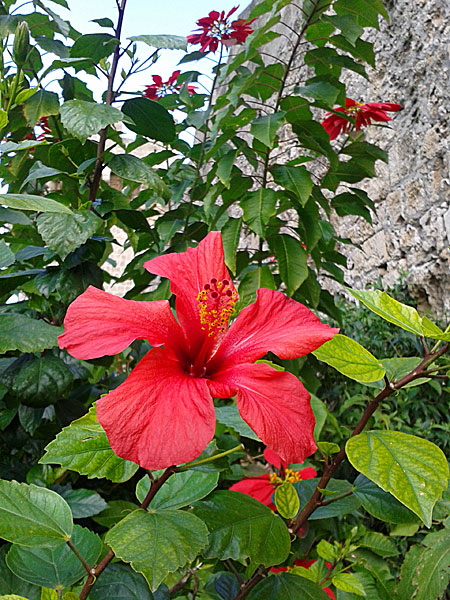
[[410, 235]]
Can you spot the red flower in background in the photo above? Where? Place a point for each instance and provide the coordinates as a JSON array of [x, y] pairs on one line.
[[361, 116], [301, 562], [216, 28], [159, 88], [163, 414], [262, 487]]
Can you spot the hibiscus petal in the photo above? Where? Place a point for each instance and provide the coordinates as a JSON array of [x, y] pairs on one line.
[[276, 406], [276, 323], [188, 272], [98, 323], [159, 416], [259, 488]]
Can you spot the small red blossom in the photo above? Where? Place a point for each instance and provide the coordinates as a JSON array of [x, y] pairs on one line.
[[216, 28], [301, 562], [159, 88], [361, 116], [262, 487], [163, 414]]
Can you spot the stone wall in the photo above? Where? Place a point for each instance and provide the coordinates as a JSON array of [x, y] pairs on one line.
[[410, 235]]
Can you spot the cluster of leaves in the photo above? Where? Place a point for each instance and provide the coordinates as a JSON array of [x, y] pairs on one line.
[[58, 222]]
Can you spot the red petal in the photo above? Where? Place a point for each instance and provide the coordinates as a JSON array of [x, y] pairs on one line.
[[276, 406], [98, 323], [273, 458], [173, 77], [159, 416], [158, 80], [259, 488], [188, 272], [276, 323], [308, 473]]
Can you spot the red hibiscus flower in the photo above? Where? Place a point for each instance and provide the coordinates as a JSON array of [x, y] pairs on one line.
[[161, 88], [301, 562], [216, 28], [262, 487], [361, 116], [163, 414]]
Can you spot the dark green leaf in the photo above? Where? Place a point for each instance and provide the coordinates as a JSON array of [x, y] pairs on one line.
[[367, 12], [83, 119], [157, 543], [229, 416], [133, 168], [381, 504], [253, 281], [287, 587], [42, 381], [7, 258], [18, 332], [294, 179], [13, 216], [65, 233], [241, 527], [115, 511], [10, 584], [149, 119], [40, 104], [336, 508], [83, 503], [258, 207], [121, 583], [94, 46], [265, 128], [34, 203], [33, 516], [231, 233], [291, 259]]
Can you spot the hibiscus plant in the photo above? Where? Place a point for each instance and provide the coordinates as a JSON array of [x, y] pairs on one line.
[[167, 257]]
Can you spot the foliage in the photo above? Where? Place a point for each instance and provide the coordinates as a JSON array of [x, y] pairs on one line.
[[180, 531]]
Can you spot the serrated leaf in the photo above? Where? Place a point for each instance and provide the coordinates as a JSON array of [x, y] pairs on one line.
[[58, 566], [84, 447], [18, 332], [380, 504], [326, 550], [164, 42], [407, 587], [83, 119], [258, 207], [433, 571], [135, 169], [42, 381], [150, 119], [180, 490], [157, 543], [292, 261], [66, 233], [294, 179], [120, 582], [229, 416], [10, 584], [286, 500], [34, 203], [40, 104], [265, 128], [33, 516], [412, 469], [286, 586], [241, 527], [378, 543], [351, 359], [348, 583]]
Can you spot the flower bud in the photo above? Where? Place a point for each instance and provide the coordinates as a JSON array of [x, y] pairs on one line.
[[21, 44]]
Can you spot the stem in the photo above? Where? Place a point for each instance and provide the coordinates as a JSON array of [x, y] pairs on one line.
[[336, 497], [80, 558], [15, 85], [210, 459], [109, 99]]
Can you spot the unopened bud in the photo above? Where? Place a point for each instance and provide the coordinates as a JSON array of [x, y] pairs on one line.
[[21, 44]]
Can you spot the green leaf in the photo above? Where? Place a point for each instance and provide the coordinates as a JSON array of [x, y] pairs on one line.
[[328, 448], [367, 12], [42, 381], [231, 233], [120, 582], [84, 447], [241, 527], [149, 119], [381, 504], [83, 119], [7, 258], [343, 506], [253, 281], [103, 22], [433, 570], [326, 551], [229, 416], [294, 179], [18, 332], [84, 503], [351, 359], [10, 584], [347, 24], [33, 516], [348, 583], [133, 168], [66, 233], [40, 104], [55, 567], [13, 217], [286, 500], [94, 46], [115, 511], [292, 259], [264, 129], [321, 89], [407, 586], [378, 543], [157, 543], [164, 42], [258, 207], [34, 203], [180, 490], [413, 470], [285, 586]]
